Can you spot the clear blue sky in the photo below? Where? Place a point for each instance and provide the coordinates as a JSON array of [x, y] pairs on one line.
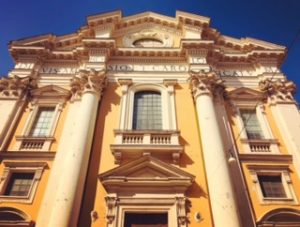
[[275, 21]]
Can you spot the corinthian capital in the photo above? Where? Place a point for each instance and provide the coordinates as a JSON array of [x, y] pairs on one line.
[[279, 90], [14, 87], [88, 81], [205, 83]]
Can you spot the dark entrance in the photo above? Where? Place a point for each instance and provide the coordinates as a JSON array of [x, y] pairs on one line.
[[146, 220]]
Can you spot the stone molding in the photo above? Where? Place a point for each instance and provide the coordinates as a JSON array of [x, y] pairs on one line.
[[278, 91], [88, 81], [15, 86], [111, 203], [205, 83]]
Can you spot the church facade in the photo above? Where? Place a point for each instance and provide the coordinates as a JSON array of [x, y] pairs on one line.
[[148, 120]]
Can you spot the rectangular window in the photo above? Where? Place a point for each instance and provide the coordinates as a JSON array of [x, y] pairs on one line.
[[19, 184], [147, 111], [251, 124], [42, 123], [271, 186]]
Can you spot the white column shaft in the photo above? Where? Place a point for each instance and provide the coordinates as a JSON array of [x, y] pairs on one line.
[[220, 189], [75, 164]]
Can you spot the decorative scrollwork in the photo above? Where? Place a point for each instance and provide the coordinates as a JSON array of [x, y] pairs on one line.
[[16, 86], [205, 83], [111, 203], [279, 90], [88, 81]]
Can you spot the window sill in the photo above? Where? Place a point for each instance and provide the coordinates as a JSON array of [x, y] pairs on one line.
[[280, 201], [15, 199]]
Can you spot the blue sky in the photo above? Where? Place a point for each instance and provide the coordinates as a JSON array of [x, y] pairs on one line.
[[275, 21]]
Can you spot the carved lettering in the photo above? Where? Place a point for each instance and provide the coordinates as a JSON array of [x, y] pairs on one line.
[[58, 70], [146, 68]]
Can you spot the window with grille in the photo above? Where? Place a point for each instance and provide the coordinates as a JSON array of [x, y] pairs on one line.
[[19, 184], [271, 186], [42, 123], [251, 124], [147, 112]]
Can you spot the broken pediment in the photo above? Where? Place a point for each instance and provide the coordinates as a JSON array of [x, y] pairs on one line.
[[146, 174]]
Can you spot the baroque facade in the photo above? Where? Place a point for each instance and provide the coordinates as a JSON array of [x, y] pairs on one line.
[[148, 120]]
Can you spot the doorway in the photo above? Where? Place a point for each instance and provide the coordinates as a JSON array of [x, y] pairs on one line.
[[146, 220]]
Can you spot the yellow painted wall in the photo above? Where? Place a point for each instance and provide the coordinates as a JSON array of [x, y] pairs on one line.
[[102, 159], [260, 209], [22, 123], [30, 209]]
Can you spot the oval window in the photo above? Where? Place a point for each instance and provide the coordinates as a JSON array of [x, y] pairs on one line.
[[148, 42]]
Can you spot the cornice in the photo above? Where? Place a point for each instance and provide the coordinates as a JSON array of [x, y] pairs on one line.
[[25, 155], [74, 46]]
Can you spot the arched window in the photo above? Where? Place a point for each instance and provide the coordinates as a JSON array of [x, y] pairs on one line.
[[13, 217], [9, 214], [147, 111], [281, 217]]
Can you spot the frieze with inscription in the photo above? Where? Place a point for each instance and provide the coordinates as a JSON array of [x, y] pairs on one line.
[[147, 68], [58, 70]]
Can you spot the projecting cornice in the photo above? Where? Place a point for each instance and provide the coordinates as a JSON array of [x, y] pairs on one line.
[[105, 30]]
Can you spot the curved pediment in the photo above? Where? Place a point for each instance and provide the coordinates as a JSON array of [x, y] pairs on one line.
[[146, 173]]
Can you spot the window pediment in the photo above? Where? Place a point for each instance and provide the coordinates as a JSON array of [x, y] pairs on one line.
[[146, 174], [244, 93], [51, 91]]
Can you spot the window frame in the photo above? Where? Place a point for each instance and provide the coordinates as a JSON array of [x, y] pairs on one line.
[[283, 172], [264, 125], [167, 97], [34, 114], [137, 104], [45, 140], [36, 168]]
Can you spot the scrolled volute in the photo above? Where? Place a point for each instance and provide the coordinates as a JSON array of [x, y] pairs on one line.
[[278, 90], [16, 86], [205, 83], [88, 81]]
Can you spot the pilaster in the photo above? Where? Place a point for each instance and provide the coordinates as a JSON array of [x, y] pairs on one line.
[[13, 94], [286, 114]]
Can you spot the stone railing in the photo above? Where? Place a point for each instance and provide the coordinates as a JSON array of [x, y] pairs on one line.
[[24, 143], [260, 146], [146, 142]]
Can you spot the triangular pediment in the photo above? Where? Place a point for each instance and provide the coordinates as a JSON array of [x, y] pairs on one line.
[[51, 91], [245, 93], [147, 172]]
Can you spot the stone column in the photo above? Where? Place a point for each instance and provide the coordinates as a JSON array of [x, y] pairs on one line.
[[286, 114], [221, 192], [72, 168]]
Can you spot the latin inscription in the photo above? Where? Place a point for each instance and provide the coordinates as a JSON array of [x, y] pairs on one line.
[[147, 68], [58, 70]]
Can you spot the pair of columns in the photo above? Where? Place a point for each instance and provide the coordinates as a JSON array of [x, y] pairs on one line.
[[62, 199]]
